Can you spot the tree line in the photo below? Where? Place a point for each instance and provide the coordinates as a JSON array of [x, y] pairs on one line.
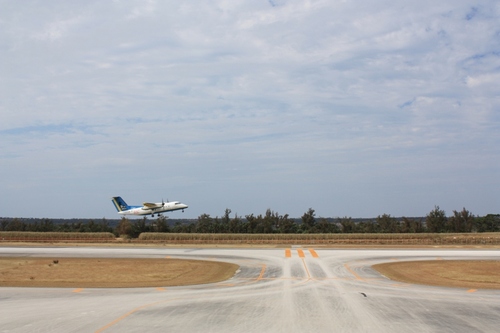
[[435, 221]]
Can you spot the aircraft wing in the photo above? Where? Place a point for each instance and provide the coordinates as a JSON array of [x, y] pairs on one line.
[[150, 205]]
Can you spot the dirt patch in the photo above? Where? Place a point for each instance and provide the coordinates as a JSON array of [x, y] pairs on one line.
[[474, 274], [110, 273]]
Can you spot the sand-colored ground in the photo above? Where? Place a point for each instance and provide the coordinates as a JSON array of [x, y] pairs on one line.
[[110, 273], [119, 273], [473, 274]]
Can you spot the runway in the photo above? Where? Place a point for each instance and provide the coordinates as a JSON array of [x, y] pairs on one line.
[[275, 290]]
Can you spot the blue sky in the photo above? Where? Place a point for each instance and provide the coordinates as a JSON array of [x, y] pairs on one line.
[[352, 108]]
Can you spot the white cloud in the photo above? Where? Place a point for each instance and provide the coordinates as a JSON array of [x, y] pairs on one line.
[[57, 29], [236, 98], [490, 79]]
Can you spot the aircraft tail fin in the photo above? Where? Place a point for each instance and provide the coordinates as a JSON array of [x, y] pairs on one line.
[[120, 204]]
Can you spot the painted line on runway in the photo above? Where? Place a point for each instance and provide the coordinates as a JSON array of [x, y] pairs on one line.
[[262, 271], [359, 278], [307, 270], [288, 253], [471, 290], [117, 320], [78, 290], [161, 289]]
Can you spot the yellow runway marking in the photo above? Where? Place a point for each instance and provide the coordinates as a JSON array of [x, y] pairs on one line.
[[117, 320], [262, 271], [313, 253], [307, 270], [78, 290], [161, 289], [359, 278], [301, 253], [471, 290], [288, 253]]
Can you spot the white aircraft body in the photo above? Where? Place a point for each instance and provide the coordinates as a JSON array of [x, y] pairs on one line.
[[147, 208]]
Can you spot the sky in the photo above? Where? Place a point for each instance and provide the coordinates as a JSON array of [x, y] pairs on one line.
[[351, 108]]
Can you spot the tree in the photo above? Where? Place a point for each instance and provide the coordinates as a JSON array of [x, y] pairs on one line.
[[368, 227], [204, 224], [161, 224], [226, 220], [326, 227], [387, 224], [235, 225], [124, 228], [270, 221], [46, 225], [436, 220], [462, 221], [488, 223], [286, 225], [411, 226], [104, 226], [309, 221], [140, 226], [259, 224], [251, 224], [347, 226]]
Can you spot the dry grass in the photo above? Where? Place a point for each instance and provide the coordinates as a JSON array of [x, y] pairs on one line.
[[110, 273], [421, 239], [474, 274]]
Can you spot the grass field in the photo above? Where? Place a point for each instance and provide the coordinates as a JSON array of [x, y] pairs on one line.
[[111, 273], [420, 239], [477, 274], [87, 272], [123, 273]]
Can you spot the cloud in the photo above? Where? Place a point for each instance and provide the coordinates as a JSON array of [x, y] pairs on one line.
[[282, 104], [483, 79], [57, 29]]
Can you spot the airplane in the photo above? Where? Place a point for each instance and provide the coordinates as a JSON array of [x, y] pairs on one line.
[[147, 207]]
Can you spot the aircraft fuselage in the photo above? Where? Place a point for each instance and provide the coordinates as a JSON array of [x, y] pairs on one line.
[[143, 210]]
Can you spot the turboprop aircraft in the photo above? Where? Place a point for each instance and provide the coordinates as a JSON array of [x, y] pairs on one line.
[[147, 207]]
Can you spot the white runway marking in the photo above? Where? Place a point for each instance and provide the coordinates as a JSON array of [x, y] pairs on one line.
[[275, 290]]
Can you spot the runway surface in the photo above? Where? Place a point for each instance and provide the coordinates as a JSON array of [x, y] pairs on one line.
[[276, 290]]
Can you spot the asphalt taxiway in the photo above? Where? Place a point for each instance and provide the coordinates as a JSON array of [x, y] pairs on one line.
[[275, 290]]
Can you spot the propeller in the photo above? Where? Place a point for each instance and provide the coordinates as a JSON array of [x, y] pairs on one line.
[[162, 202]]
